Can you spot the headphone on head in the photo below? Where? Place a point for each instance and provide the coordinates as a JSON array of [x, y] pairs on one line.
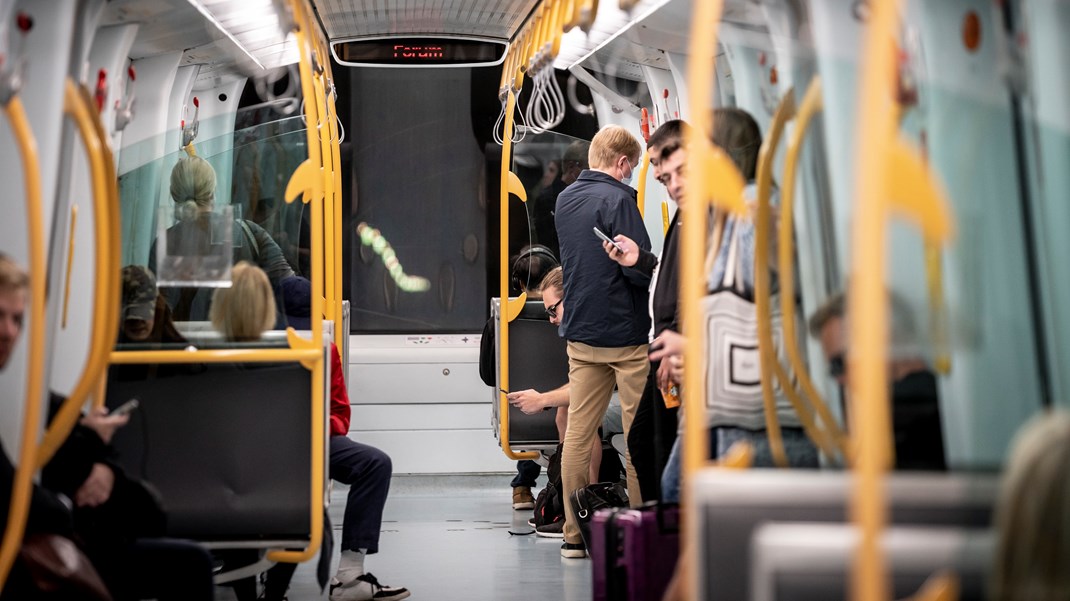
[[532, 251]]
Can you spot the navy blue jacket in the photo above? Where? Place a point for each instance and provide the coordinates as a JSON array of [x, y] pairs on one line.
[[605, 304]]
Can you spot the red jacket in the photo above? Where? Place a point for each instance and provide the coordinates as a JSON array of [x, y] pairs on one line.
[[339, 396]]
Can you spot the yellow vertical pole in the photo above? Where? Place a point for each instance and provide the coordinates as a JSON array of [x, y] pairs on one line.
[[868, 379]]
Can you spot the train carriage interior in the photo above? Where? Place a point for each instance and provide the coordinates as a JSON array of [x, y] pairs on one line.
[[295, 291]]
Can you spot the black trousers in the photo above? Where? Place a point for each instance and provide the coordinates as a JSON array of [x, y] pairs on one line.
[[651, 437]]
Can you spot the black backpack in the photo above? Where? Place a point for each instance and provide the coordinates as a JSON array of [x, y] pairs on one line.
[[486, 354], [550, 504]]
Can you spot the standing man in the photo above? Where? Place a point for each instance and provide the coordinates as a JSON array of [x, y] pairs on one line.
[[606, 325], [653, 430]]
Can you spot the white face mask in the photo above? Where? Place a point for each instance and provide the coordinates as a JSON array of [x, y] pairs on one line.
[[627, 179]]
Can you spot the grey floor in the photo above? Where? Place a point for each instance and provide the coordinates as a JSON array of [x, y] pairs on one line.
[[447, 538]]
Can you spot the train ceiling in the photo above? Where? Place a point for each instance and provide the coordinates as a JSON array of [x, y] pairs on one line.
[[370, 18]]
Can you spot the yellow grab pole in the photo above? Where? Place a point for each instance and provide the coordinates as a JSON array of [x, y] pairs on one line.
[[640, 195], [22, 485], [508, 308], [70, 265], [766, 352], [308, 182], [77, 105], [868, 376], [812, 104]]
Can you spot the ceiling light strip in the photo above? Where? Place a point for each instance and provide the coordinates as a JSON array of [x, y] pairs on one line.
[[201, 8]]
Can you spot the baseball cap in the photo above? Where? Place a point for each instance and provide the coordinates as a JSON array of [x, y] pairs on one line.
[[139, 293]]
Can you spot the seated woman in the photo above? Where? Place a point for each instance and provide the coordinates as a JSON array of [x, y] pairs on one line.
[[1033, 514], [193, 185], [242, 313]]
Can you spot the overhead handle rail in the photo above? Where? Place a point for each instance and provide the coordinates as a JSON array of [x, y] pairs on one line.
[[830, 435], [78, 107], [22, 486], [915, 194]]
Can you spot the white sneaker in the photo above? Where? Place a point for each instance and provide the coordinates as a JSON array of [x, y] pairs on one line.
[[366, 588]]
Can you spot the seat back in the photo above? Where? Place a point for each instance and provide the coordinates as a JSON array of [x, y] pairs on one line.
[[537, 360], [812, 562], [226, 445], [732, 505]]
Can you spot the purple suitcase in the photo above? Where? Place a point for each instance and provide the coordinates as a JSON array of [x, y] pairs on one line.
[[633, 552]]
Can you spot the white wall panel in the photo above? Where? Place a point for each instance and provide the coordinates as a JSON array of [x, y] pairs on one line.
[[473, 416], [441, 451]]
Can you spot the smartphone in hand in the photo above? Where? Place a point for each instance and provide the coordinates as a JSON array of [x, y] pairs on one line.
[[125, 408], [603, 236]]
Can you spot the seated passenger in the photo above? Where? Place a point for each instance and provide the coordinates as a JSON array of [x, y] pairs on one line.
[[1032, 517], [365, 469], [193, 187], [145, 320], [244, 312], [533, 263], [117, 520], [915, 404]]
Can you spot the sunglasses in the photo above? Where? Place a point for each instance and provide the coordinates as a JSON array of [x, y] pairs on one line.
[[837, 366], [552, 309]]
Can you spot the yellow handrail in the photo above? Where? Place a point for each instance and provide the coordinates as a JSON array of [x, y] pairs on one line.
[[264, 355], [767, 355], [78, 106], [711, 178], [934, 276], [307, 182], [508, 308], [812, 104], [70, 266], [640, 195], [914, 192], [22, 486]]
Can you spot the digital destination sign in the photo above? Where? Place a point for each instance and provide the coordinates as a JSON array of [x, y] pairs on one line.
[[418, 52]]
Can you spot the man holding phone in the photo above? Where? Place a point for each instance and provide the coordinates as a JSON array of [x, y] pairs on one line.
[[606, 323], [654, 427]]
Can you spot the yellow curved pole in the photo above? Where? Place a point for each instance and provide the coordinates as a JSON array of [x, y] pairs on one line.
[[215, 356], [934, 277], [308, 182], [572, 15], [640, 196], [22, 486], [811, 105], [767, 355], [509, 308], [78, 106], [588, 14]]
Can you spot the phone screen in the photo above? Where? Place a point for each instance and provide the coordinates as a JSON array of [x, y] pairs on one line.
[[603, 236]]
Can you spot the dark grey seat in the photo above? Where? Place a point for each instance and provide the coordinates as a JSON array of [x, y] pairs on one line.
[[733, 504], [537, 360], [812, 562], [226, 445]]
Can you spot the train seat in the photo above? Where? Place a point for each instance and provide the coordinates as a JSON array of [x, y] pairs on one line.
[[537, 360], [226, 445], [812, 562], [732, 504]]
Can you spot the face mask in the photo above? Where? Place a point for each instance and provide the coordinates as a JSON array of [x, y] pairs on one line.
[[627, 180]]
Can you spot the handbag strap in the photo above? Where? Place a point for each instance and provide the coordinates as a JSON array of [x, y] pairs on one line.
[[733, 264]]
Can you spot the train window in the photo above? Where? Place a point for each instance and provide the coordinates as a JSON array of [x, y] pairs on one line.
[[418, 259]]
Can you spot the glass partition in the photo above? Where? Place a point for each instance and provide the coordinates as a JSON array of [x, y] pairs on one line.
[[187, 218]]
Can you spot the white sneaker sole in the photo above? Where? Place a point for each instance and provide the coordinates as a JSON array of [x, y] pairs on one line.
[[523, 505], [573, 554], [549, 534]]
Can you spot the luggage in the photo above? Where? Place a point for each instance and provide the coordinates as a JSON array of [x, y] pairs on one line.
[[588, 500], [634, 552]]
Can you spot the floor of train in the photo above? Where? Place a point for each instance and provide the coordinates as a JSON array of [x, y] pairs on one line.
[[448, 538]]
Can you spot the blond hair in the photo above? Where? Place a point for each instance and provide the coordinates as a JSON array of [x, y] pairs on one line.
[[192, 187], [245, 310], [609, 144], [12, 277], [1033, 515], [555, 279]]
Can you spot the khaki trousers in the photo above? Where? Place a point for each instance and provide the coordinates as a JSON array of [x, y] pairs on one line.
[[592, 372]]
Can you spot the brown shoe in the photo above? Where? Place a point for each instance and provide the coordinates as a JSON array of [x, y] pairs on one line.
[[522, 498]]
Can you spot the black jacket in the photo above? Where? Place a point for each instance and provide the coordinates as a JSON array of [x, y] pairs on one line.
[[605, 304]]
